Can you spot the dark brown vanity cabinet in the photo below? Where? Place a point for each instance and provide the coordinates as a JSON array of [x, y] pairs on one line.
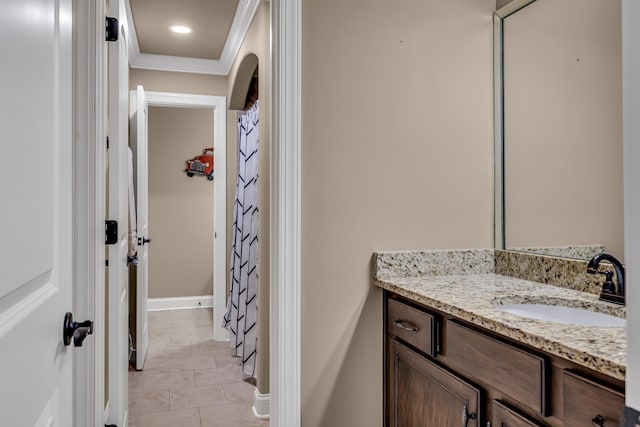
[[519, 374], [443, 372], [422, 393], [505, 416], [588, 403]]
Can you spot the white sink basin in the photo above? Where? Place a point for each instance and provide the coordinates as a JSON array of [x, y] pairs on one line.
[[562, 314]]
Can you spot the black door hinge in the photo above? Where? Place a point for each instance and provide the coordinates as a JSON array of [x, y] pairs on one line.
[[111, 29], [110, 232], [107, 143]]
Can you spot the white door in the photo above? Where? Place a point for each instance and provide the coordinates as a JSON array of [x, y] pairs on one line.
[[118, 132], [139, 145], [35, 186]]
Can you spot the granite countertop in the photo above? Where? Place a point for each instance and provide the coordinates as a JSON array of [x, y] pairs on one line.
[[475, 296]]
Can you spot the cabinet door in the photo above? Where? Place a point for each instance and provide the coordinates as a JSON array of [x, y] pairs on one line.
[[589, 403], [504, 416], [422, 394]]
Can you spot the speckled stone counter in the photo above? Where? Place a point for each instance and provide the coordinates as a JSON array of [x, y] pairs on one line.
[[575, 252], [464, 284]]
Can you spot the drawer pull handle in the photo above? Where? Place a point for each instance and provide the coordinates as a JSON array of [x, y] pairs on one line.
[[466, 416], [598, 421], [406, 326]]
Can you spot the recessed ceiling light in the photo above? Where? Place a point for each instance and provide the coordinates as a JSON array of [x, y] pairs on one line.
[[181, 29]]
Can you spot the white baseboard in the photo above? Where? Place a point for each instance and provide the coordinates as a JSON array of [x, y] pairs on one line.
[[179, 303], [261, 405]]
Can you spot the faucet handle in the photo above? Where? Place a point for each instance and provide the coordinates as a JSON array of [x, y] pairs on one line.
[[608, 285]]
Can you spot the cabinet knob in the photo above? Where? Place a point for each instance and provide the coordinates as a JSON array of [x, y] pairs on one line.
[[406, 326], [598, 421], [466, 416]]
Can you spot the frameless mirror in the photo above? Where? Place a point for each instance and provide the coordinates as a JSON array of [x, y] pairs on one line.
[[559, 127]]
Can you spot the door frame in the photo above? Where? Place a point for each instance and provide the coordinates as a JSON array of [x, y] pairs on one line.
[[285, 205], [285, 185], [219, 106], [89, 195]]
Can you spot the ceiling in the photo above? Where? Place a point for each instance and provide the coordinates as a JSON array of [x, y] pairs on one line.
[[209, 19], [219, 26]]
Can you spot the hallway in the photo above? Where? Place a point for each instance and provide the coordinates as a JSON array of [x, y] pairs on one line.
[[189, 380]]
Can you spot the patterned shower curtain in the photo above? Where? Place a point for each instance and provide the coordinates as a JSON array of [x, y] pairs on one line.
[[242, 307]]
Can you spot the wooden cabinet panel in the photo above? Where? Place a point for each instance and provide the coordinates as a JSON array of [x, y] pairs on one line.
[[519, 374], [413, 326], [423, 394], [514, 387], [585, 400], [506, 416]]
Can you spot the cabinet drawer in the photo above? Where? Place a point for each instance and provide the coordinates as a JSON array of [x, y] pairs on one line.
[[505, 416], [413, 326], [517, 373], [585, 400]]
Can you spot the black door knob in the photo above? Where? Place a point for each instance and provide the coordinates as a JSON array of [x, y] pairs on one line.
[[598, 421], [76, 330]]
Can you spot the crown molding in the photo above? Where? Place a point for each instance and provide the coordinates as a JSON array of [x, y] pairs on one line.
[[239, 27]]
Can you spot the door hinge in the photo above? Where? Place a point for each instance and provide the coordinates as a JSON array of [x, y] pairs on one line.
[[110, 232], [111, 29], [107, 143]]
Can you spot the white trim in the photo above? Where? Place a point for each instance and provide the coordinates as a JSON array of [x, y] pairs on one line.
[[107, 409], [89, 189], [498, 143], [219, 105], [631, 172], [180, 303], [285, 285], [132, 36], [261, 404], [498, 119], [240, 25]]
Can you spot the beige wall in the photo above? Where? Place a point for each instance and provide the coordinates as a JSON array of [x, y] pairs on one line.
[[256, 42], [563, 125], [396, 154], [180, 208], [165, 81]]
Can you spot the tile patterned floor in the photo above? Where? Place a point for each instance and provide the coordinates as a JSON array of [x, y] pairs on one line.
[[189, 380]]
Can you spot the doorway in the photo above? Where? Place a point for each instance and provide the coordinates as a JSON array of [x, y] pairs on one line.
[[216, 105], [185, 371]]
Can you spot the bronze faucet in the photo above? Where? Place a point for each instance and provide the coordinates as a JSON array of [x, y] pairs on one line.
[[609, 291]]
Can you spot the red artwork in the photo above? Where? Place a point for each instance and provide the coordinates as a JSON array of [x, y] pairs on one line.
[[201, 165]]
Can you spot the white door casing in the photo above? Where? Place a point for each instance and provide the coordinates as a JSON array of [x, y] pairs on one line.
[[285, 207], [138, 117], [118, 210], [36, 188], [89, 153], [219, 106]]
